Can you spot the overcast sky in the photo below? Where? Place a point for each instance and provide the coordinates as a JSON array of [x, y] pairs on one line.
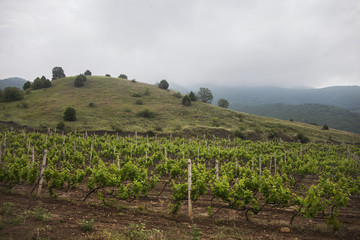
[[287, 43]]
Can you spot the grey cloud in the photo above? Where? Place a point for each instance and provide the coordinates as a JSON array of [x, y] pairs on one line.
[[280, 43]]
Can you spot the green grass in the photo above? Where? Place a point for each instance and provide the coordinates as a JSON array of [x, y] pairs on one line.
[[113, 108]]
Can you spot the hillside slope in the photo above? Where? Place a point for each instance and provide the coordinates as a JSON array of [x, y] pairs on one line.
[[115, 109], [318, 114]]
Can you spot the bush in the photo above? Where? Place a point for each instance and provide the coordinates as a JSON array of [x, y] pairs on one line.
[[27, 85], [186, 101], [70, 114], [205, 95], [177, 95], [87, 73], [86, 225], [302, 138], [325, 127], [80, 80], [107, 75], [91, 104], [223, 103], [123, 76], [136, 95], [146, 114], [139, 102], [58, 72], [40, 83], [60, 126], [12, 94], [133, 80], [163, 84], [239, 134], [192, 96]]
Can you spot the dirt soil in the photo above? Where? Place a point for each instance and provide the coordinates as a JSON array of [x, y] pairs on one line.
[[150, 218]]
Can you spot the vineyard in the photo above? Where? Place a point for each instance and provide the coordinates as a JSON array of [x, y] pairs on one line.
[[195, 178]]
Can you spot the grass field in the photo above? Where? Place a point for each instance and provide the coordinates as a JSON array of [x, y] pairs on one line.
[[116, 105]]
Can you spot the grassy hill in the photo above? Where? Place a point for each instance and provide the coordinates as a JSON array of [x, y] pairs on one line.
[[115, 109], [318, 114]]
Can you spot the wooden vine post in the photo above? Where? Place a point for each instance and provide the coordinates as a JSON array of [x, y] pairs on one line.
[[260, 165], [189, 189], [274, 162], [217, 169], [33, 156], [43, 165], [118, 161]]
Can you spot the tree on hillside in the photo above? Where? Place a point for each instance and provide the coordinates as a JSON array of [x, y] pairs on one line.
[[41, 83], [80, 80], [123, 76], [186, 101], [192, 96], [205, 95], [12, 94], [163, 84], [223, 103], [107, 75], [87, 73], [27, 85], [70, 114], [57, 72]]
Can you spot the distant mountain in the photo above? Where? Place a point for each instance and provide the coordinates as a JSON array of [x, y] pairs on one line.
[[347, 97], [12, 82], [318, 114]]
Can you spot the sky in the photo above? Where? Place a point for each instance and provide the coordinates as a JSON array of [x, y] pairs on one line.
[[285, 43]]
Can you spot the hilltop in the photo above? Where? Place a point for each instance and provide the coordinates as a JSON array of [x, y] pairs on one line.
[[113, 104]]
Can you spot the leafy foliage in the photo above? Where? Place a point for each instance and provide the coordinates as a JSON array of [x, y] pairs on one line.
[[223, 103], [12, 94], [27, 85], [70, 114], [146, 114], [57, 72], [123, 76], [192, 96], [186, 101], [80, 80], [163, 84], [41, 83], [87, 73], [205, 95]]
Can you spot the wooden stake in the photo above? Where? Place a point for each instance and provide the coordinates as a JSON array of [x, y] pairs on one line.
[[217, 169], [260, 165], [189, 189], [118, 161], [41, 173]]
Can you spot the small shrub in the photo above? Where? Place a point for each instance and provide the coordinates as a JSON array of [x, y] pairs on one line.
[[146, 114], [39, 214], [186, 101], [70, 114], [127, 110], [163, 84], [86, 225], [91, 104], [7, 208], [123, 76], [80, 80], [239, 134], [133, 80], [60, 126], [136, 95], [177, 95], [291, 119], [325, 127], [87, 73], [139, 102], [107, 75], [28, 91], [12, 94], [192, 96], [302, 138]]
